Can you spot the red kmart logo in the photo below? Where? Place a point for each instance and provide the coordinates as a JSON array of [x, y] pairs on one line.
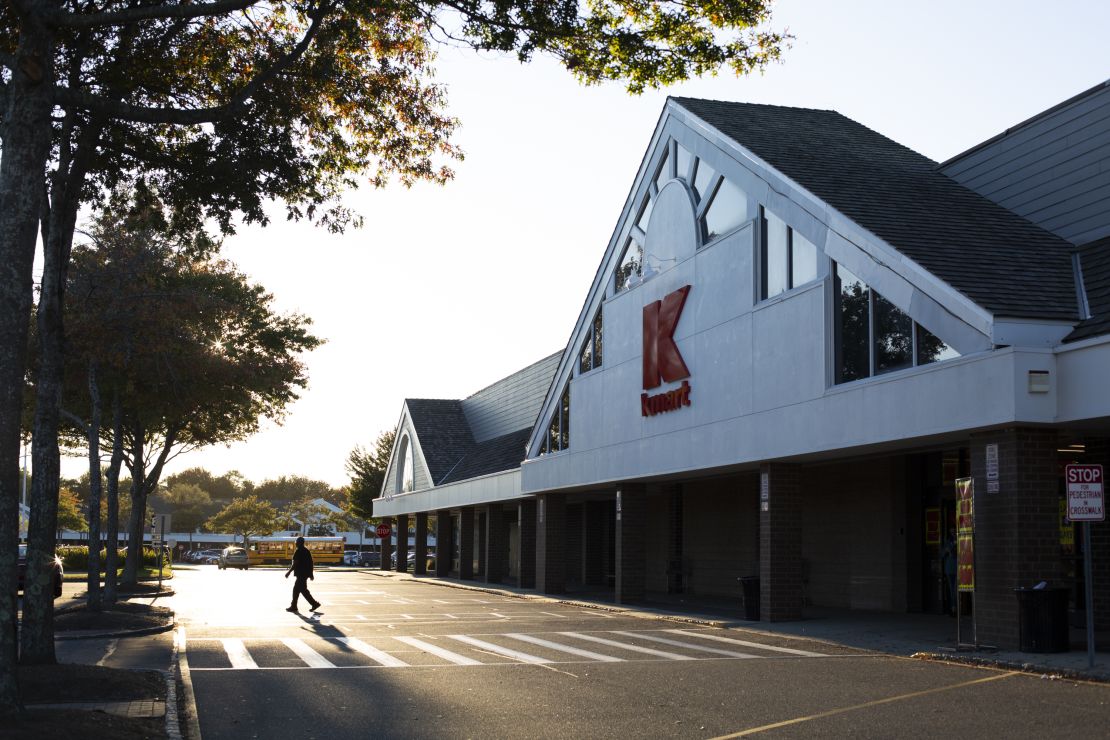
[[663, 362]]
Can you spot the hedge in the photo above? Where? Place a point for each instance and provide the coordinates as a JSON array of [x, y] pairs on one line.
[[75, 558]]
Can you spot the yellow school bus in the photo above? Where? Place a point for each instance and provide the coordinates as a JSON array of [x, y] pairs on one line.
[[279, 550]]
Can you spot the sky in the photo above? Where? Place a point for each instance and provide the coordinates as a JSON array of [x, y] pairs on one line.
[[448, 289]]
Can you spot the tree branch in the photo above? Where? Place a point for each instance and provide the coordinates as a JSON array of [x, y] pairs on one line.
[[148, 13], [159, 114], [77, 420]]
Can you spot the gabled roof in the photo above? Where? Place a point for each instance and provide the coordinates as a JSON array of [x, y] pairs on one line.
[[999, 260], [1094, 262], [492, 456], [444, 435]]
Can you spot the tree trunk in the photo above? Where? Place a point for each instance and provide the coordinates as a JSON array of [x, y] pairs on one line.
[[26, 146], [137, 466], [93, 599], [37, 636], [111, 553]]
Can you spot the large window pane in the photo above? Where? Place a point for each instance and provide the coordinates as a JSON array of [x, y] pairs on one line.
[[703, 179], [931, 348], [804, 264], [774, 255], [852, 324], [683, 161], [728, 210], [629, 271], [597, 339], [645, 214], [664, 173], [585, 359], [893, 337], [564, 420]]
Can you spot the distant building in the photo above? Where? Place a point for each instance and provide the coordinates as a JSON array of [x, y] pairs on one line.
[[800, 336]]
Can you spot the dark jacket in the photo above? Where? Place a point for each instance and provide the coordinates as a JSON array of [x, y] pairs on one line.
[[302, 563]]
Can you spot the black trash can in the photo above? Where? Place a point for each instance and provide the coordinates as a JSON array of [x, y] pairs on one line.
[[750, 587], [1043, 620]]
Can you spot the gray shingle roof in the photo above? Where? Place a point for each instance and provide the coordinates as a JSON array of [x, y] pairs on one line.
[[492, 456], [443, 433], [999, 260], [1094, 260]]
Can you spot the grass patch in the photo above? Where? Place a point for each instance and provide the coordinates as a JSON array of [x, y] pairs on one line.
[[144, 572], [75, 682]]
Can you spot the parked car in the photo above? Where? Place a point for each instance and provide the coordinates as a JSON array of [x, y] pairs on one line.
[[233, 557], [205, 556], [430, 562], [351, 557], [370, 560], [22, 572]]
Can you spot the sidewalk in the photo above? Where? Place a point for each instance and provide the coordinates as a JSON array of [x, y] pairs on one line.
[[926, 636]]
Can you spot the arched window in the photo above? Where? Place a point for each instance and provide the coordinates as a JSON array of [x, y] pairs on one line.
[[404, 466]]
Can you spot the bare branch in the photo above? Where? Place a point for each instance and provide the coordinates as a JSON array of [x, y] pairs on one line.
[[146, 13], [75, 419]]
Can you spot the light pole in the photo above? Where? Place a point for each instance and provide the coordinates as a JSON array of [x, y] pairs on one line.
[[24, 496]]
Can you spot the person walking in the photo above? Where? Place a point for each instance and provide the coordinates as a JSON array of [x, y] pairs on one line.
[[301, 568]]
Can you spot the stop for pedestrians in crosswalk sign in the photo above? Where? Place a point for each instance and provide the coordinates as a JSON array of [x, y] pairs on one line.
[[384, 530], [1086, 498]]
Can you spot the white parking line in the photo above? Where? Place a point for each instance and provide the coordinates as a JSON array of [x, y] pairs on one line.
[[688, 646], [623, 646], [311, 658], [566, 648], [372, 652], [237, 653], [438, 651], [360, 617], [507, 652], [745, 643]]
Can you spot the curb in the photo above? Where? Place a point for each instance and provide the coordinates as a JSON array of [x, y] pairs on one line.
[[1066, 674], [188, 718], [61, 635]]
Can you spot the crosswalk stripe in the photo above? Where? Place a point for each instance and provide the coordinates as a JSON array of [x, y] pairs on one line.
[[745, 643], [438, 651], [372, 652], [311, 658], [507, 652], [566, 648], [624, 646], [237, 653], [688, 646]]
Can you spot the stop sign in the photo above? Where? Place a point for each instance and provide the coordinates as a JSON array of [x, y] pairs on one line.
[[384, 530]]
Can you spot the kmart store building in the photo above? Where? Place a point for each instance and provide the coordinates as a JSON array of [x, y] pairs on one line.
[[800, 335]]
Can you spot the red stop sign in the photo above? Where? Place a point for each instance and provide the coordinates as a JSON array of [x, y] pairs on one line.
[[384, 530]]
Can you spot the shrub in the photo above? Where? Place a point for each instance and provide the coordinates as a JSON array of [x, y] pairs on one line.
[[75, 558]]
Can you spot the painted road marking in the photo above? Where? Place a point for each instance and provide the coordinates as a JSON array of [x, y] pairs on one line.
[[237, 653], [507, 652], [566, 648], [438, 651], [372, 652], [688, 646], [311, 658], [746, 643], [623, 646]]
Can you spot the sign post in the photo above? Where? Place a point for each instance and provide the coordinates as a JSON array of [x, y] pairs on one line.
[[1086, 504]]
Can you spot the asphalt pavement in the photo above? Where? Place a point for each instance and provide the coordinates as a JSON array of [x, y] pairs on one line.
[[406, 658]]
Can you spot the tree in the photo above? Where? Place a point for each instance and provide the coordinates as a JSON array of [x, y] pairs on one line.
[[69, 512], [224, 487], [293, 487], [307, 513], [246, 517], [188, 504], [299, 98], [367, 470]]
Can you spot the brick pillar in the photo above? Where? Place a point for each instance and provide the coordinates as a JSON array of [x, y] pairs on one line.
[[402, 543], [420, 567], [480, 555], [497, 544], [551, 532], [1017, 535], [1098, 451], [526, 520], [594, 542], [676, 566], [466, 543], [780, 543], [443, 543], [387, 545], [631, 545]]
